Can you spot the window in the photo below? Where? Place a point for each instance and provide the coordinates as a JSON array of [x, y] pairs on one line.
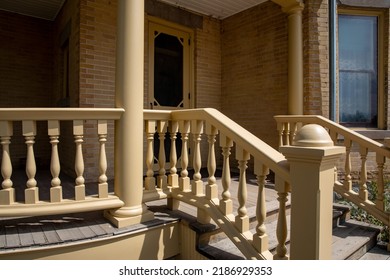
[[359, 55]]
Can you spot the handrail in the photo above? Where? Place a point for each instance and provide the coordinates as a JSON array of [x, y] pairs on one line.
[[376, 208], [256, 147], [40, 114], [339, 129], [164, 126], [33, 204]]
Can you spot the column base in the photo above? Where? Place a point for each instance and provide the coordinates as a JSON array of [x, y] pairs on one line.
[[124, 221]]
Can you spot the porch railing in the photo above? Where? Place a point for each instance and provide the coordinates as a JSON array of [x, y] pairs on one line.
[[353, 185], [32, 204], [163, 127]]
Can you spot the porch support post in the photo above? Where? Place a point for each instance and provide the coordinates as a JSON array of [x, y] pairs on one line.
[[129, 129], [294, 10], [312, 159]]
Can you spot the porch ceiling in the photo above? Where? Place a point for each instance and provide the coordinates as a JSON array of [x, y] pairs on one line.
[[215, 8], [45, 9], [48, 9]]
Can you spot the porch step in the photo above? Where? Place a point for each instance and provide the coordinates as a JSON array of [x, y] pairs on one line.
[[351, 239]]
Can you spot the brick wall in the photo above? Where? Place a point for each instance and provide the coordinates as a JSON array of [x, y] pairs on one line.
[[208, 64], [67, 28], [254, 69], [316, 57], [26, 68], [97, 75]]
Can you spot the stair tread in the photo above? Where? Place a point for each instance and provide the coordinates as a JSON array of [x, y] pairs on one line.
[[348, 238]]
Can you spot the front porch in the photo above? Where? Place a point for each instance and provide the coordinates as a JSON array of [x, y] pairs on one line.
[[226, 200], [88, 235]]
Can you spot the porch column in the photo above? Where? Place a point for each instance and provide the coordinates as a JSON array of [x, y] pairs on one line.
[[129, 129], [294, 10]]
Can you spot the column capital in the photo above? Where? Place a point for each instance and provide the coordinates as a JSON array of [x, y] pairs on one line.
[[290, 6]]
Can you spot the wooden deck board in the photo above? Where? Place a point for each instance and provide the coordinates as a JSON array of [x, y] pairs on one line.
[[25, 235], [11, 237]]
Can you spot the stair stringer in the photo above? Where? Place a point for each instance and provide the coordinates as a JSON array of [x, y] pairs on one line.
[[243, 243]]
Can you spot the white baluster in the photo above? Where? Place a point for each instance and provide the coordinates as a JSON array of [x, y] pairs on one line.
[[280, 128], [363, 193], [287, 133], [242, 219], [281, 228], [29, 133], [150, 181], [211, 187], [7, 194], [173, 178], [184, 180], [260, 238], [78, 132], [348, 165], [380, 203], [197, 184], [56, 188], [161, 178], [226, 204], [102, 134]]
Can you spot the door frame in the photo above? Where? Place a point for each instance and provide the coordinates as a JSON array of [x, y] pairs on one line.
[[154, 23]]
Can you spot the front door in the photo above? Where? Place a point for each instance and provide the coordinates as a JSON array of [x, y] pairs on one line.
[[169, 77], [169, 67]]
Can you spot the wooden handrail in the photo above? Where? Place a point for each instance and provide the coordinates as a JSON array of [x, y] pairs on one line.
[[339, 129], [44, 114], [252, 144]]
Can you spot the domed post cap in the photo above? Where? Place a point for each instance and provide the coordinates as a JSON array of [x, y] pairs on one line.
[[312, 135]]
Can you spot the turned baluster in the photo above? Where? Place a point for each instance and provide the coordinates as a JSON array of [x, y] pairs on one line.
[[226, 204], [211, 187], [102, 134], [242, 219], [281, 228], [197, 184], [287, 133], [150, 181], [363, 193], [162, 177], [29, 133], [56, 188], [260, 238], [280, 128], [184, 180], [173, 178], [380, 203], [7, 194], [348, 165], [293, 131], [78, 132]]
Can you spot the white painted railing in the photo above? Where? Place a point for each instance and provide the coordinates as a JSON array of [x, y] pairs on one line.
[[194, 124], [355, 171], [32, 203]]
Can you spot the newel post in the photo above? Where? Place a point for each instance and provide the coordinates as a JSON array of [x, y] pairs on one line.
[[312, 158]]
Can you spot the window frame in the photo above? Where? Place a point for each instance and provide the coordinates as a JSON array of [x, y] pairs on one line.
[[381, 123]]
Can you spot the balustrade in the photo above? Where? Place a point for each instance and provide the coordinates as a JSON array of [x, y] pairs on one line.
[[56, 203], [7, 193], [361, 152]]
